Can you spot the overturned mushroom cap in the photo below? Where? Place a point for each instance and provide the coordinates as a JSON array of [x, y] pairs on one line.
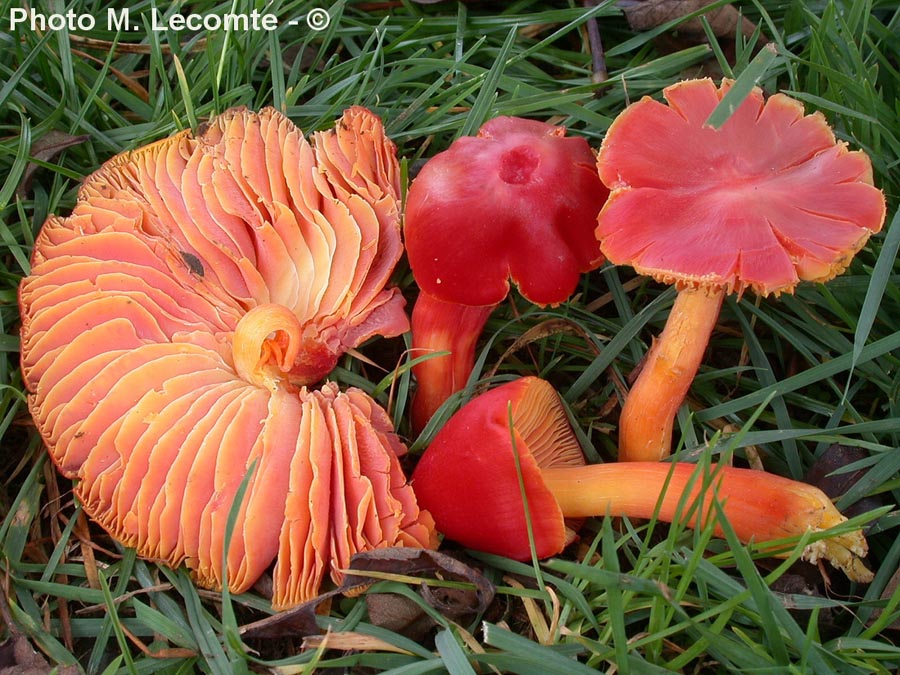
[[172, 323]]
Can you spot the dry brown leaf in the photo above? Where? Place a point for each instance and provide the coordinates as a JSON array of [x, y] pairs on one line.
[[17, 657], [128, 80], [364, 568], [825, 473], [347, 641], [403, 615], [892, 585], [129, 48], [412, 561], [398, 614], [644, 15], [46, 148], [544, 329]]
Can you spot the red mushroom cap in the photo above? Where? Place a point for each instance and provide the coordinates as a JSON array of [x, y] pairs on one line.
[[518, 201], [169, 326], [468, 481], [768, 199]]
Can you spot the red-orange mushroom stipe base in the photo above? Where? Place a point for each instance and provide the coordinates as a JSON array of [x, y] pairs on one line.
[[765, 201], [172, 325], [469, 481], [518, 202]]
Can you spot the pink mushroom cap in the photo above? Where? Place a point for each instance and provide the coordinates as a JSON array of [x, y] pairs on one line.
[[769, 199]]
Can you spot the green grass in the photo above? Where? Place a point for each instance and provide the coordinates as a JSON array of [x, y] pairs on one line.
[[796, 374]]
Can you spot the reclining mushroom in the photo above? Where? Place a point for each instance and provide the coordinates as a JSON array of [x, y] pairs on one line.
[[765, 201], [469, 479], [174, 324]]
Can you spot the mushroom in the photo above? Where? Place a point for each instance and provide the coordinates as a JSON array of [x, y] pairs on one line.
[[469, 479], [174, 324], [517, 202], [765, 201]]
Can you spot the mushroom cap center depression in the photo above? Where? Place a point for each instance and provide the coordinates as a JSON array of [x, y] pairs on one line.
[[518, 165]]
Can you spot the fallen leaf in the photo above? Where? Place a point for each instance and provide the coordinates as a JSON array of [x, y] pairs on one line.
[[413, 561], [824, 474], [546, 328], [369, 566], [17, 657], [129, 80], [299, 621], [349, 641], [44, 149], [118, 48], [403, 615], [644, 15], [889, 590], [399, 614]]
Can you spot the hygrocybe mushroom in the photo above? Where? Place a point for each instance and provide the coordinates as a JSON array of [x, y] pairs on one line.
[[766, 201], [510, 457], [516, 203], [173, 324]]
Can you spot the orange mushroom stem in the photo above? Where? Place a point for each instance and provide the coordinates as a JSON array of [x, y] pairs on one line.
[[516, 440], [439, 326], [266, 343], [759, 506], [666, 375], [767, 200]]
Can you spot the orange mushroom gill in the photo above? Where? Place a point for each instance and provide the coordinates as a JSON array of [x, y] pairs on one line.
[[172, 328]]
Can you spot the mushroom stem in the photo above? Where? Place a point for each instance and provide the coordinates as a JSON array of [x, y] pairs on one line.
[[759, 506], [266, 342], [443, 326], [645, 425]]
